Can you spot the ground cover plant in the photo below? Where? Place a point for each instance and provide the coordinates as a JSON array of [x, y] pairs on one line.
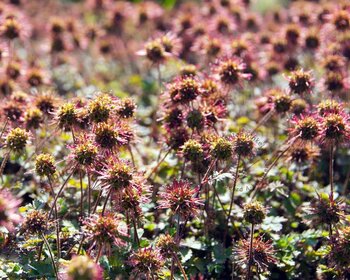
[[174, 139]]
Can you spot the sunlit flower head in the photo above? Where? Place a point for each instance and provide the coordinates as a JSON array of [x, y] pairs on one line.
[[181, 198]]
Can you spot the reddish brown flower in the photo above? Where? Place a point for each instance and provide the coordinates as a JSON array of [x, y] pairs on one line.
[[181, 199]]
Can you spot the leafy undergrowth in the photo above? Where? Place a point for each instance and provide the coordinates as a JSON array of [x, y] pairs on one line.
[[189, 140]]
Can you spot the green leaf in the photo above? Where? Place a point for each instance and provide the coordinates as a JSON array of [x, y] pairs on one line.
[[168, 4], [273, 224]]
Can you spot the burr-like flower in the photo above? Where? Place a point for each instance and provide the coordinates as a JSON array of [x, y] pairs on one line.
[[184, 90], [108, 229], [243, 144], [67, 116], [45, 165], [262, 253], [181, 199], [35, 222], [17, 139], [146, 261], [335, 127], [254, 212], [117, 175], [305, 127], [300, 82], [324, 211], [193, 150], [222, 149], [230, 71], [167, 245], [99, 108]]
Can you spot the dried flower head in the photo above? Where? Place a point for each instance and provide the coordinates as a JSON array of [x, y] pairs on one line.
[[146, 260], [13, 70], [312, 40], [85, 152], [107, 136], [181, 199], [67, 116], [300, 82], [45, 165], [154, 51], [10, 28], [262, 253], [173, 118], [166, 245], [339, 255], [35, 222], [108, 229], [304, 153], [13, 111], [324, 211], [193, 150], [99, 108], [280, 46], [334, 81], [35, 77], [299, 106], [335, 127], [222, 149], [328, 106], [46, 103], [243, 144], [184, 90], [195, 119], [177, 137], [126, 108], [306, 127], [231, 71], [17, 139], [188, 70], [341, 20], [282, 102], [254, 212], [333, 62], [117, 175], [209, 87], [33, 117], [292, 34]]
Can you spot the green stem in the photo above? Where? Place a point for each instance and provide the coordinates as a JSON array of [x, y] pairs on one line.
[[180, 266], [331, 170], [51, 255], [3, 163], [81, 195], [250, 260], [58, 243], [89, 191], [106, 201], [59, 192]]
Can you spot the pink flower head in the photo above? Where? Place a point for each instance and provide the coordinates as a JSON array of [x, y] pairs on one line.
[[230, 71], [181, 199], [9, 210], [305, 127], [146, 260], [106, 230], [335, 128]]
